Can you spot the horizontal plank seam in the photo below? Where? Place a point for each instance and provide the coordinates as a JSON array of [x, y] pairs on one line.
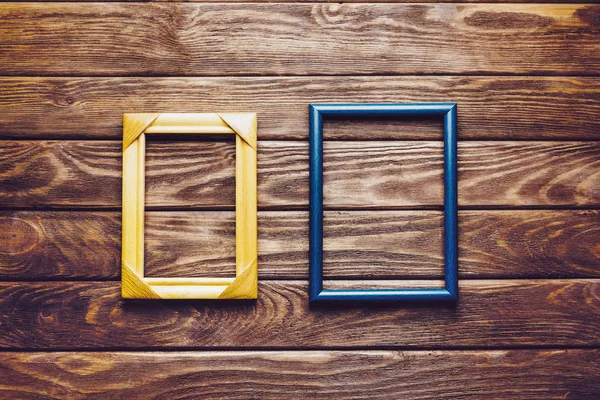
[[440, 74], [460, 2], [199, 139], [18, 137], [276, 209], [476, 280], [544, 207], [336, 279], [233, 349], [221, 208], [284, 76]]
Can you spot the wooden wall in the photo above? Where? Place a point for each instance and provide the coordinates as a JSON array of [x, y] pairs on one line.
[[525, 77]]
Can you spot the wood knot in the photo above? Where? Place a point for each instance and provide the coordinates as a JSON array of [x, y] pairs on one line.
[[18, 236]]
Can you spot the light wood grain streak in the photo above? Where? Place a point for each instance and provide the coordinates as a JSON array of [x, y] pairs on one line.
[[358, 244], [539, 108], [491, 314], [526, 374], [356, 174], [297, 39]]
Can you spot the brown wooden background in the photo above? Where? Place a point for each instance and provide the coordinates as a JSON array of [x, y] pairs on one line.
[[525, 77]]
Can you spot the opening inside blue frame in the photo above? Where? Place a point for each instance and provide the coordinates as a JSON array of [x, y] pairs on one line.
[[402, 248]]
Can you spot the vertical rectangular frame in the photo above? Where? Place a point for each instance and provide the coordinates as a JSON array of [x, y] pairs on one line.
[[135, 129], [450, 290]]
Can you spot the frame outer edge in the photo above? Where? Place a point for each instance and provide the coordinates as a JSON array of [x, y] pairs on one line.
[[133, 285], [450, 292], [316, 203], [245, 285], [451, 201], [246, 216]]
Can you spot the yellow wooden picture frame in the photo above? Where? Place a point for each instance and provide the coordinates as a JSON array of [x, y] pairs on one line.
[[133, 283]]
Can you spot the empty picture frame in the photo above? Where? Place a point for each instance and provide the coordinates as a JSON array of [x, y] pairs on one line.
[[134, 284], [447, 111]]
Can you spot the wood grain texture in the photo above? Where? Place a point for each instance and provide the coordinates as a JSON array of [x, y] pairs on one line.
[[297, 39], [489, 314], [358, 244], [529, 174], [539, 107], [526, 374], [383, 174], [47, 245], [521, 74]]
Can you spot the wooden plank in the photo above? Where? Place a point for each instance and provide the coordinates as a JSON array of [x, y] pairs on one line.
[[358, 244], [48, 245], [502, 374], [376, 174], [529, 174], [490, 314], [297, 39], [539, 107]]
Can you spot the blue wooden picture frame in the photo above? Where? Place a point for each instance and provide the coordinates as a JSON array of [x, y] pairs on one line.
[[316, 114]]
